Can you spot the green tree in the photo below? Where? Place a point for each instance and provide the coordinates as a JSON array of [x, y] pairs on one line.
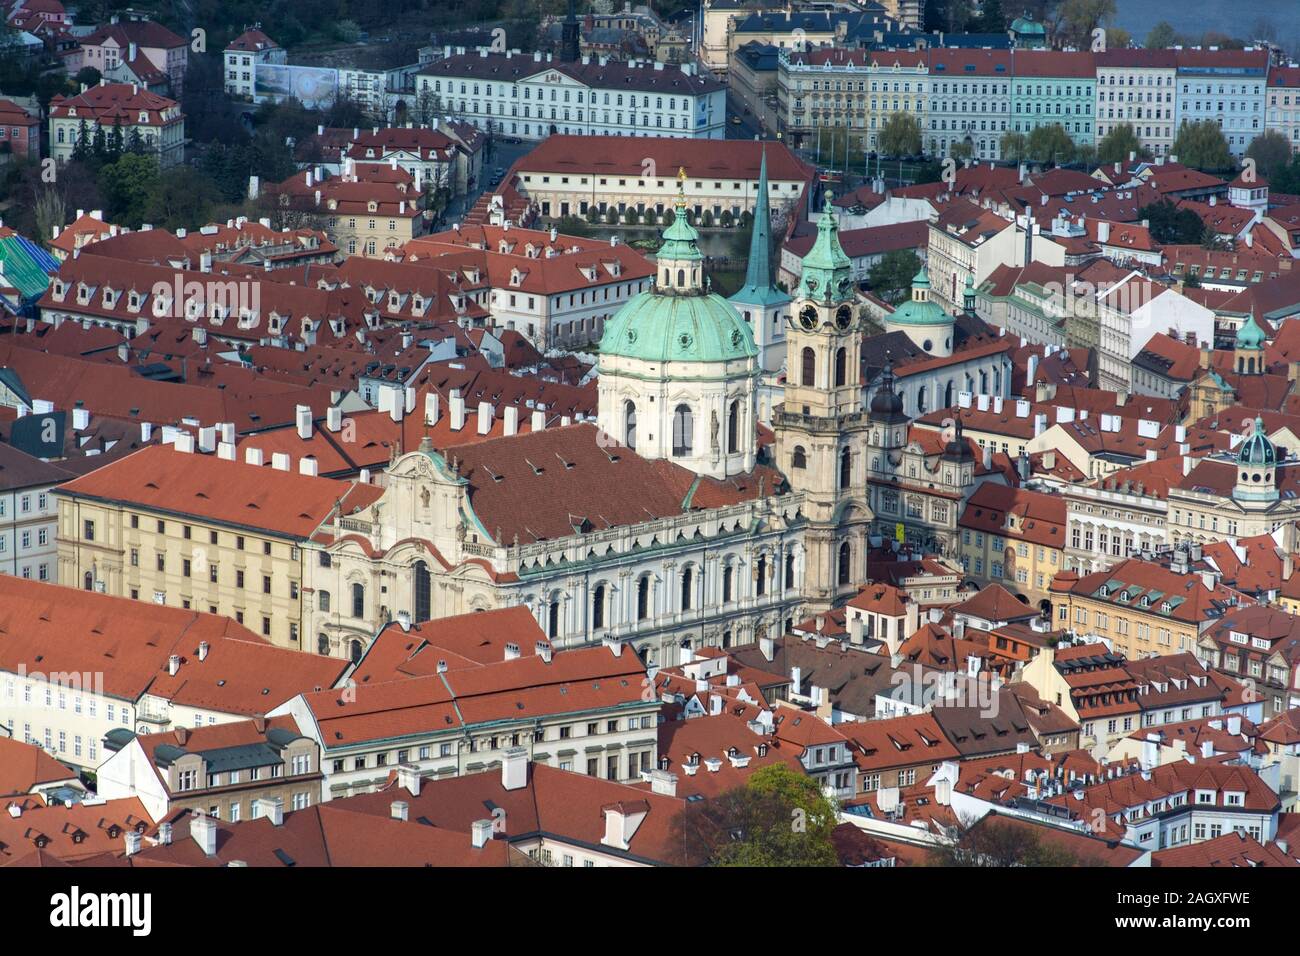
[[1202, 146], [1170, 225], [126, 186], [961, 150], [1161, 37], [1116, 145], [779, 817], [991, 18], [1013, 146], [572, 226], [183, 197], [88, 76], [51, 210], [998, 841], [900, 135], [1271, 152], [891, 277], [1081, 17], [1050, 144]]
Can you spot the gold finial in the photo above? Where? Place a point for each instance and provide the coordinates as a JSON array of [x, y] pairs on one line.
[[681, 185]]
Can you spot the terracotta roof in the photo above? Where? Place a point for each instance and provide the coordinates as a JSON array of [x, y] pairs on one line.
[[1039, 517], [69, 833], [24, 767], [462, 640]]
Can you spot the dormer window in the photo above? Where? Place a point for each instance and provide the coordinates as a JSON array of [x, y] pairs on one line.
[[372, 206], [333, 204]]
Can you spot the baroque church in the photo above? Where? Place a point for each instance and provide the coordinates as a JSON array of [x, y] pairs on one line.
[[662, 525]]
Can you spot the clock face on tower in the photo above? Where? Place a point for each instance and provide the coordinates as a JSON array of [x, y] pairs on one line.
[[808, 317], [843, 317]]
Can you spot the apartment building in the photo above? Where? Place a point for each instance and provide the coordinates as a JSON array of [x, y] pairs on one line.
[[20, 131], [154, 122], [970, 101], [583, 710], [1224, 87], [125, 41], [201, 531], [967, 241], [1140, 607], [852, 90], [1139, 87], [234, 771], [532, 97], [1053, 87], [1282, 103], [1119, 515], [29, 514], [77, 666], [241, 57], [1014, 537], [365, 211], [1257, 646]]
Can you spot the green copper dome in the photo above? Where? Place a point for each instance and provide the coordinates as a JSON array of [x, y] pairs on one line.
[[827, 270], [686, 328], [1250, 335], [1257, 451], [919, 310]]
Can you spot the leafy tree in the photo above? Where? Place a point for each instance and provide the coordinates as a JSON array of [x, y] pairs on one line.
[[183, 197], [1013, 145], [991, 18], [1287, 179], [51, 210], [88, 76], [611, 215], [1271, 152], [572, 226], [998, 841], [900, 135], [891, 277], [1170, 225], [629, 216], [1081, 17], [779, 817], [1202, 146], [1161, 37], [593, 214], [127, 186], [1050, 144], [961, 150], [1116, 145], [1117, 38]]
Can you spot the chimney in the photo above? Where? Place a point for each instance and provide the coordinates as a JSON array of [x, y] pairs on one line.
[[203, 650], [484, 417], [481, 833], [280, 461], [510, 420], [410, 399], [431, 410], [254, 456], [203, 829], [173, 664], [132, 843], [514, 769], [164, 834], [334, 418], [404, 620], [457, 408], [398, 810], [302, 416], [273, 810], [767, 646], [663, 782], [309, 466], [408, 778]]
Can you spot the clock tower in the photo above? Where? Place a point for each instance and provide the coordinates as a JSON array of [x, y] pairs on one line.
[[821, 429]]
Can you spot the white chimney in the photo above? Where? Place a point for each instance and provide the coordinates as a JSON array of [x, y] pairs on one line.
[[203, 650], [334, 418], [481, 833], [280, 461], [539, 420], [308, 465], [457, 408], [431, 410], [663, 782], [254, 456], [484, 417], [410, 399], [203, 829], [510, 420], [173, 664], [398, 809], [132, 843], [408, 778], [302, 416], [514, 769]]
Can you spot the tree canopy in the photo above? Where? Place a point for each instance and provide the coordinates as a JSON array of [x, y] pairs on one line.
[[1170, 225], [1202, 146], [891, 277], [900, 135], [1116, 145]]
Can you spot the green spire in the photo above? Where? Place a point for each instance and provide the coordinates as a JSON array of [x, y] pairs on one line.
[[1250, 335], [827, 270], [681, 241], [758, 289]]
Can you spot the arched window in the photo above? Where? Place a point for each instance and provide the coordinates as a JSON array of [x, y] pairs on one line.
[[733, 428], [760, 576], [643, 598], [727, 575], [846, 468], [423, 589], [681, 278], [322, 645], [922, 401], [841, 370], [688, 579], [553, 617], [683, 430], [629, 424], [789, 571], [947, 395], [354, 652], [89, 581], [598, 607], [323, 599], [845, 574], [799, 458], [358, 600], [809, 367]]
